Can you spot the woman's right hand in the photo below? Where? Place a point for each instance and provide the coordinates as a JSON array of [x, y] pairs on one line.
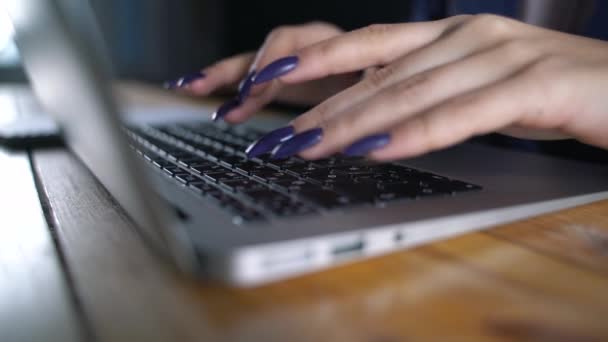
[[233, 72]]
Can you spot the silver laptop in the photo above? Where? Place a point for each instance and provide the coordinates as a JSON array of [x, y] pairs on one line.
[[201, 203]]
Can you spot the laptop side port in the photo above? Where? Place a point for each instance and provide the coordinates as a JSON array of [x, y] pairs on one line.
[[348, 249]]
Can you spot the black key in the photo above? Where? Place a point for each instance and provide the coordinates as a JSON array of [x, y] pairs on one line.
[[279, 177], [171, 170], [265, 175], [161, 163], [186, 178], [270, 199], [304, 168], [205, 168], [321, 176], [248, 167], [330, 179], [219, 174], [186, 162], [284, 164], [200, 187], [452, 187], [231, 160], [230, 177], [325, 198], [358, 192], [340, 161], [242, 185], [409, 190], [354, 170], [291, 185]]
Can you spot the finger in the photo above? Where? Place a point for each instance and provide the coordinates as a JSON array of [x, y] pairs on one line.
[[224, 74], [478, 112], [283, 41], [418, 93], [279, 43], [252, 105], [367, 47], [444, 50]]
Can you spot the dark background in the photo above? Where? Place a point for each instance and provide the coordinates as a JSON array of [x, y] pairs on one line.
[[156, 40]]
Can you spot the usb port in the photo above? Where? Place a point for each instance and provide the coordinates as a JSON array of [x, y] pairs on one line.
[[348, 249]]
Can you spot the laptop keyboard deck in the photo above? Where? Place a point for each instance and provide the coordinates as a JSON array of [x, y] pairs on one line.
[[209, 159]]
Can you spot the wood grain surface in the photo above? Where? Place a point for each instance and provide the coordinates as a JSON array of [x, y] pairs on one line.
[[36, 303], [543, 279]]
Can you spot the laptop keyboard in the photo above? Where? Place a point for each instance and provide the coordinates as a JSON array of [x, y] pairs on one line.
[[209, 159]]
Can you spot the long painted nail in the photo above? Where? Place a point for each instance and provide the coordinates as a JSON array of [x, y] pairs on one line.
[[269, 141], [297, 143], [184, 80], [245, 86], [276, 69], [225, 108], [191, 78], [365, 145]]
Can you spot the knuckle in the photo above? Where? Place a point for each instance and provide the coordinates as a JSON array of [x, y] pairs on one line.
[[321, 113], [323, 25], [339, 129], [325, 50], [376, 30], [280, 32], [490, 24], [378, 77]]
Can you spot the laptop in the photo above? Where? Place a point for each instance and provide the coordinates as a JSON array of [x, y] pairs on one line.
[[201, 203]]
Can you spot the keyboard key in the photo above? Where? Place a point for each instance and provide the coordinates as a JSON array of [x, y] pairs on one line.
[[200, 187], [325, 198], [207, 168], [242, 185], [186, 178], [248, 167], [171, 170]]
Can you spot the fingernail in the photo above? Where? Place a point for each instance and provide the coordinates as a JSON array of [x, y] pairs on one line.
[[297, 143], [225, 108], [184, 80], [245, 86], [171, 84], [276, 69], [365, 145], [269, 141]]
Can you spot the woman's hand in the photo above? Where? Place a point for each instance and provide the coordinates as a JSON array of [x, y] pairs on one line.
[[240, 69], [439, 83]]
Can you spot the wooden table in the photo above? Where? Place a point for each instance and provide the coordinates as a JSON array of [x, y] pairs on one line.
[[73, 268]]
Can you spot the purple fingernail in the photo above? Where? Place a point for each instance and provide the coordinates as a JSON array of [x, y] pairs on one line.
[[171, 84], [184, 80], [269, 141], [191, 78], [276, 69], [297, 143], [365, 145], [225, 108], [245, 86]]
